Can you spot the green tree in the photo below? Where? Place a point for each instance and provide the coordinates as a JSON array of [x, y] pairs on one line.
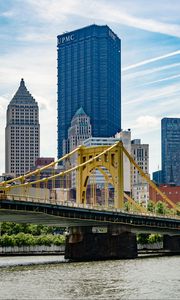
[[150, 206], [161, 208], [58, 240], [154, 238], [142, 238], [7, 240]]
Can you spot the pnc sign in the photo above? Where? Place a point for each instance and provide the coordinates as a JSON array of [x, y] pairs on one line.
[[65, 39]]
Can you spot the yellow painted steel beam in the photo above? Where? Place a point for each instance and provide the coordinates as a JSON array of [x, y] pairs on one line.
[[135, 204], [35, 172], [111, 158], [63, 173]]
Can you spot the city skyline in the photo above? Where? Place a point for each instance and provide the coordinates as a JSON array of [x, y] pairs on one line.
[[150, 61]]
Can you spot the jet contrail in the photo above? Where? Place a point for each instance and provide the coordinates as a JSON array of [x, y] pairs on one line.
[[144, 62]]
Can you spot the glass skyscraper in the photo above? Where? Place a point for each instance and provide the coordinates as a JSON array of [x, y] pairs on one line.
[[170, 138], [89, 76]]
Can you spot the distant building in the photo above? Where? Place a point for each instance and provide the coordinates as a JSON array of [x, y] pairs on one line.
[[43, 161], [89, 75], [79, 131], [157, 177], [22, 133], [140, 188], [172, 192], [125, 137], [55, 183], [170, 147]]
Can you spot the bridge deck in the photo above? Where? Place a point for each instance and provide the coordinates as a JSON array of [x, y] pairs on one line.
[[66, 216]]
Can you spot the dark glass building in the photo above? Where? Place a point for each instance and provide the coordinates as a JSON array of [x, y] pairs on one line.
[[170, 139], [89, 76]]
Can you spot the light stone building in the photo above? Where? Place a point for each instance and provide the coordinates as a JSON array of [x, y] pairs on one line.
[[22, 133], [79, 131], [140, 188]]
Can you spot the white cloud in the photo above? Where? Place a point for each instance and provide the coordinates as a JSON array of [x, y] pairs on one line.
[[137, 74], [147, 123], [153, 95], [58, 10], [8, 14], [154, 59], [163, 79]]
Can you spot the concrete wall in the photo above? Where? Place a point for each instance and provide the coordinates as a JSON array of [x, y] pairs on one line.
[[32, 250]]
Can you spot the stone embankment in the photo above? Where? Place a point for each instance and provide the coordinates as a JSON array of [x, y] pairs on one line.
[[155, 246], [53, 249], [32, 250]]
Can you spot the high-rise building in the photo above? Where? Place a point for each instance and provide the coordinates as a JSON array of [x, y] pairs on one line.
[[89, 76], [22, 133], [170, 147], [139, 187], [79, 131]]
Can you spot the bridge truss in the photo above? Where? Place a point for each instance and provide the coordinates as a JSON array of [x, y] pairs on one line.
[[79, 166]]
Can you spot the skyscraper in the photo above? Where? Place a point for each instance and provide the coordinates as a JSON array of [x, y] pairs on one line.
[[22, 133], [89, 76], [170, 146], [79, 131]]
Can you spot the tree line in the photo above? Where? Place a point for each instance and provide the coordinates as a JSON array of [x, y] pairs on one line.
[[13, 234]]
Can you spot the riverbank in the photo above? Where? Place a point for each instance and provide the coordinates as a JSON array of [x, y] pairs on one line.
[[32, 250], [60, 249]]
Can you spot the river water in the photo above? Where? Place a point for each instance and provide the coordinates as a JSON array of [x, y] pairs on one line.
[[50, 277]]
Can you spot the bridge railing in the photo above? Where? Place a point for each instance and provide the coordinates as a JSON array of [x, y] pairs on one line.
[[39, 200]]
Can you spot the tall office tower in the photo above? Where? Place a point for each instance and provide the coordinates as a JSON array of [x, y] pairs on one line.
[[79, 131], [170, 147], [140, 188], [22, 133], [89, 76]]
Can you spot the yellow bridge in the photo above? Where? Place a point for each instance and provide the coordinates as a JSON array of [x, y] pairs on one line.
[[97, 229], [79, 166]]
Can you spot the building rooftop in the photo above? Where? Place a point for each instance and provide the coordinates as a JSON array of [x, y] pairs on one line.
[[22, 96], [80, 111]]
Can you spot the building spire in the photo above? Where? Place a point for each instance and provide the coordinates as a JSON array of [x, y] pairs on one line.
[[80, 111], [22, 95], [22, 83]]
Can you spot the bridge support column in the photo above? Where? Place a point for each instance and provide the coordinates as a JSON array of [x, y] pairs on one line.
[[171, 243], [91, 243]]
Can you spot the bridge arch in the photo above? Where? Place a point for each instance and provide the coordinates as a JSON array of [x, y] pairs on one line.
[[107, 177], [111, 161]]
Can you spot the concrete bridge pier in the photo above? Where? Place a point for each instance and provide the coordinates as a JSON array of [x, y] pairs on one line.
[[100, 243], [172, 243]]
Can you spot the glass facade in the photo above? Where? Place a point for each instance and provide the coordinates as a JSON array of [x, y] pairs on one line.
[[170, 138], [89, 76]]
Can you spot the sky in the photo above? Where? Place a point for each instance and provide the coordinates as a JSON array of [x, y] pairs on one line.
[[150, 37]]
